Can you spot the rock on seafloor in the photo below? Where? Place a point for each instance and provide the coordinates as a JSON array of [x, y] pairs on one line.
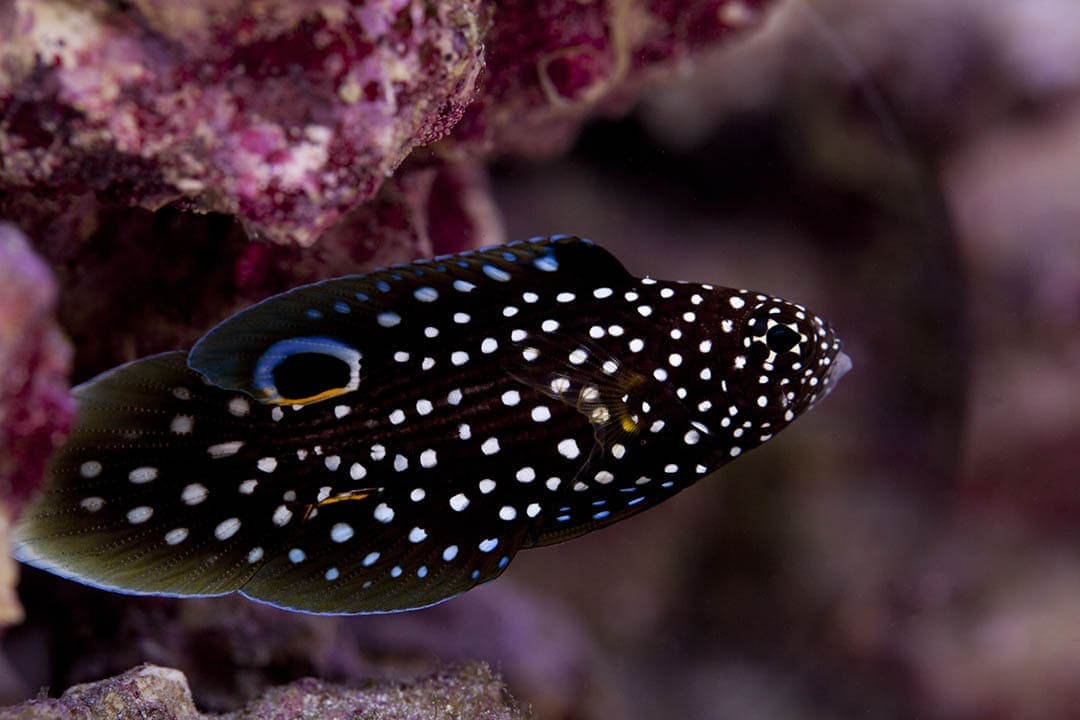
[[150, 691], [289, 115], [35, 408]]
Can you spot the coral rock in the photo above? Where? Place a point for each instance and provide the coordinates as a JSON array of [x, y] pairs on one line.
[[287, 118], [552, 64], [35, 408], [150, 691]]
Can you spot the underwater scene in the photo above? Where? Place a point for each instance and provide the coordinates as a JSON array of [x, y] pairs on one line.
[[409, 359]]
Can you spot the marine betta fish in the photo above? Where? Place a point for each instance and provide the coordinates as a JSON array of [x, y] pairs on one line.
[[382, 442]]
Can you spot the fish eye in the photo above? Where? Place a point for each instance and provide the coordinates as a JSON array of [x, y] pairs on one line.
[[781, 338]]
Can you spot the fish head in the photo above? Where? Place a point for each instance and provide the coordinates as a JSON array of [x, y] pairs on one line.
[[781, 359]]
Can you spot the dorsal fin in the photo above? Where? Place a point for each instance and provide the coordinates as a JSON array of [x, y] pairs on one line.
[[347, 320]]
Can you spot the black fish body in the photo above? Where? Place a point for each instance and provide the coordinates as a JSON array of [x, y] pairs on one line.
[[383, 442]]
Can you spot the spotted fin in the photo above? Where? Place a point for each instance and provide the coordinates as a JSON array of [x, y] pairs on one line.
[[319, 341], [353, 565], [171, 486], [138, 492]]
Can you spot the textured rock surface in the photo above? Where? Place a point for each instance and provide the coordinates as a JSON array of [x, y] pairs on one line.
[[151, 691], [231, 649], [289, 115], [551, 64], [284, 114], [35, 409]]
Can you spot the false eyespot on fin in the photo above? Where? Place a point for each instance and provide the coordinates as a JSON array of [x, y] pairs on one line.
[[363, 316], [304, 370]]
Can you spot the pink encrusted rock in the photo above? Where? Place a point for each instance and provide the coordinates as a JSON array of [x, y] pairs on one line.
[[287, 118], [552, 64], [289, 115], [35, 408]]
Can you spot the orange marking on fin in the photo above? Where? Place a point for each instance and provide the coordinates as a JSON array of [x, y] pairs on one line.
[[346, 497]]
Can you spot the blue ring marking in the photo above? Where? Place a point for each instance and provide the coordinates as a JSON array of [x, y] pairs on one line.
[[462, 264], [635, 501], [313, 314], [563, 518], [509, 257], [421, 571], [475, 574], [599, 503], [263, 374], [382, 285], [361, 296], [342, 308], [668, 484], [504, 561], [601, 515]]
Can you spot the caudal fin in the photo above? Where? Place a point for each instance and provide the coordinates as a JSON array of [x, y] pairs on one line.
[[143, 497]]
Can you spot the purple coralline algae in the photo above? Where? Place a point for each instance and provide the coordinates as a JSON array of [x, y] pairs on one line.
[[35, 408], [289, 115], [286, 115]]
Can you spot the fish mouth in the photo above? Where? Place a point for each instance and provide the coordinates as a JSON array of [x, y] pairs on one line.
[[841, 366]]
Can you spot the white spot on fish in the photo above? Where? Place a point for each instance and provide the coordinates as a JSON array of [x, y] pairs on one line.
[[140, 514], [92, 504], [227, 528], [182, 424], [388, 319], [194, 494], [341, 532], [282, 515], [141, 475], [239, 407], [225, 449], [176, 536], [569, 449]]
